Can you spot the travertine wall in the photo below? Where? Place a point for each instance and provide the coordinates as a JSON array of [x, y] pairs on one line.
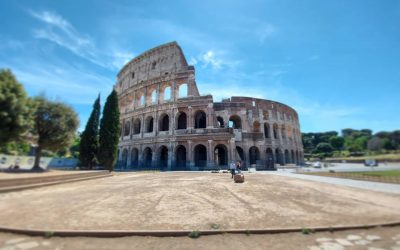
[[166, 124]]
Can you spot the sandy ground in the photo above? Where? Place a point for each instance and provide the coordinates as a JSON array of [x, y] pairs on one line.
[[372, 239], [139, 201]]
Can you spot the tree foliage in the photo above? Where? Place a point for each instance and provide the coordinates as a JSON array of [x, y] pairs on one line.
[[89, 144], [55, 124], [14, 108], [109, 132]]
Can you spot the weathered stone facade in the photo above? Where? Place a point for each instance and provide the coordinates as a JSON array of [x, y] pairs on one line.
[[166, 124]]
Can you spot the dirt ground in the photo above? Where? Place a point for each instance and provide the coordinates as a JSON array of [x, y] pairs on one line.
[[192, 201], [372, 239]]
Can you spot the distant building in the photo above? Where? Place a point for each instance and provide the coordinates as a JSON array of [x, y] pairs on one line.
[[166, 124]]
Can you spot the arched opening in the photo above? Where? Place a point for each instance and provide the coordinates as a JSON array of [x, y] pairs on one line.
[[164, 122], [183, 90], [287, 156], [270, 158], [254, 154], [127, 128], [154, 97], [221, 155], [240, 153], [181, 120], [279, 157], [180, 156], [200, 119], [220, 121], [134, 158], [167, 94], [163, 157], [200, 156], [297, 158], [149, 124], [293, 157], [266, 130], [256, 127], [136, 126], [275, 128], [142, 101], [235, 122], [147, 157], [124, 159], [283, 132]]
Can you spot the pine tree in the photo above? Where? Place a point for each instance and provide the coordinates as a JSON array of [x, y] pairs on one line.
[[109, 132], [89, 144]]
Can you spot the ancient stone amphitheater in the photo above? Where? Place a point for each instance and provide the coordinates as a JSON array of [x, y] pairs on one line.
[[167, 125]]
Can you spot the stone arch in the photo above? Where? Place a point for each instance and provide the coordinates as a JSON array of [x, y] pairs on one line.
[[124, 159], [200, 119], [180, 156], [181, 120], [256, 127], [149, 125], [270, 158], [221, 155], [240, 153], [266, 130], [200, 156], [147, 157], [154, 97], [283, 132], [134, 157], [235, 122], [137, 126], [297, 158], [164, 122], [287, 156], [183, 90], [163, 157], [279, 157], [254, 155], [220, 122], [127, 128], [167, 94], [275, 130]]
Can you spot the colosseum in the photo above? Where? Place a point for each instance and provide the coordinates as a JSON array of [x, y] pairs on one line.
[[166, 124]]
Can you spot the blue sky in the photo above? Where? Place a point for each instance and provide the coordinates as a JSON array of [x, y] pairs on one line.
[[336, 62]]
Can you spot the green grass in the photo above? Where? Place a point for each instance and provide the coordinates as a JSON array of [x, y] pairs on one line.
[[386, 173]]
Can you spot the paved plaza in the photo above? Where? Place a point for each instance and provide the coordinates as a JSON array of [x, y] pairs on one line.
[[191, 201]]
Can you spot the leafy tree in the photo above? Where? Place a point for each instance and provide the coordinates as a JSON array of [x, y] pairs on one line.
[[109, 132], [14, 108], [89, 144], [337, 142], [387, 144], [55, 126], [324, 147], [374, 144]]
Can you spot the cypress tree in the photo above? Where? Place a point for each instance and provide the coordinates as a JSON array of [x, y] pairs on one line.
[[109, 132], [89, 144]]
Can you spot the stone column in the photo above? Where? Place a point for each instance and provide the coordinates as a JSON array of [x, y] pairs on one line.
[[210, 157], [154, 157], [142, 128], [190, 155], [171, 156], [190, 122], [232, 150]]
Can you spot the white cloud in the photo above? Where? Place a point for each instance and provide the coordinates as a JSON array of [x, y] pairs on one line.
[[266, 31], [61, 32]]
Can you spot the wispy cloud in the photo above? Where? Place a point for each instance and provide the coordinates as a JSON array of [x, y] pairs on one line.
[[61, 32]]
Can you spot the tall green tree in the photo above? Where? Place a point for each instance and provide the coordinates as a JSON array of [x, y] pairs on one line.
[[109, 132], [55, 126], [14, 108], [336, 142], [89, 144]]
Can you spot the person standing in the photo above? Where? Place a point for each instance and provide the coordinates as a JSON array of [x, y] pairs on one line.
[[232, 167]]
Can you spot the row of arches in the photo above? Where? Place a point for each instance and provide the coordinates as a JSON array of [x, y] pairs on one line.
[[181, 122], [162, 158], [165, 95]]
